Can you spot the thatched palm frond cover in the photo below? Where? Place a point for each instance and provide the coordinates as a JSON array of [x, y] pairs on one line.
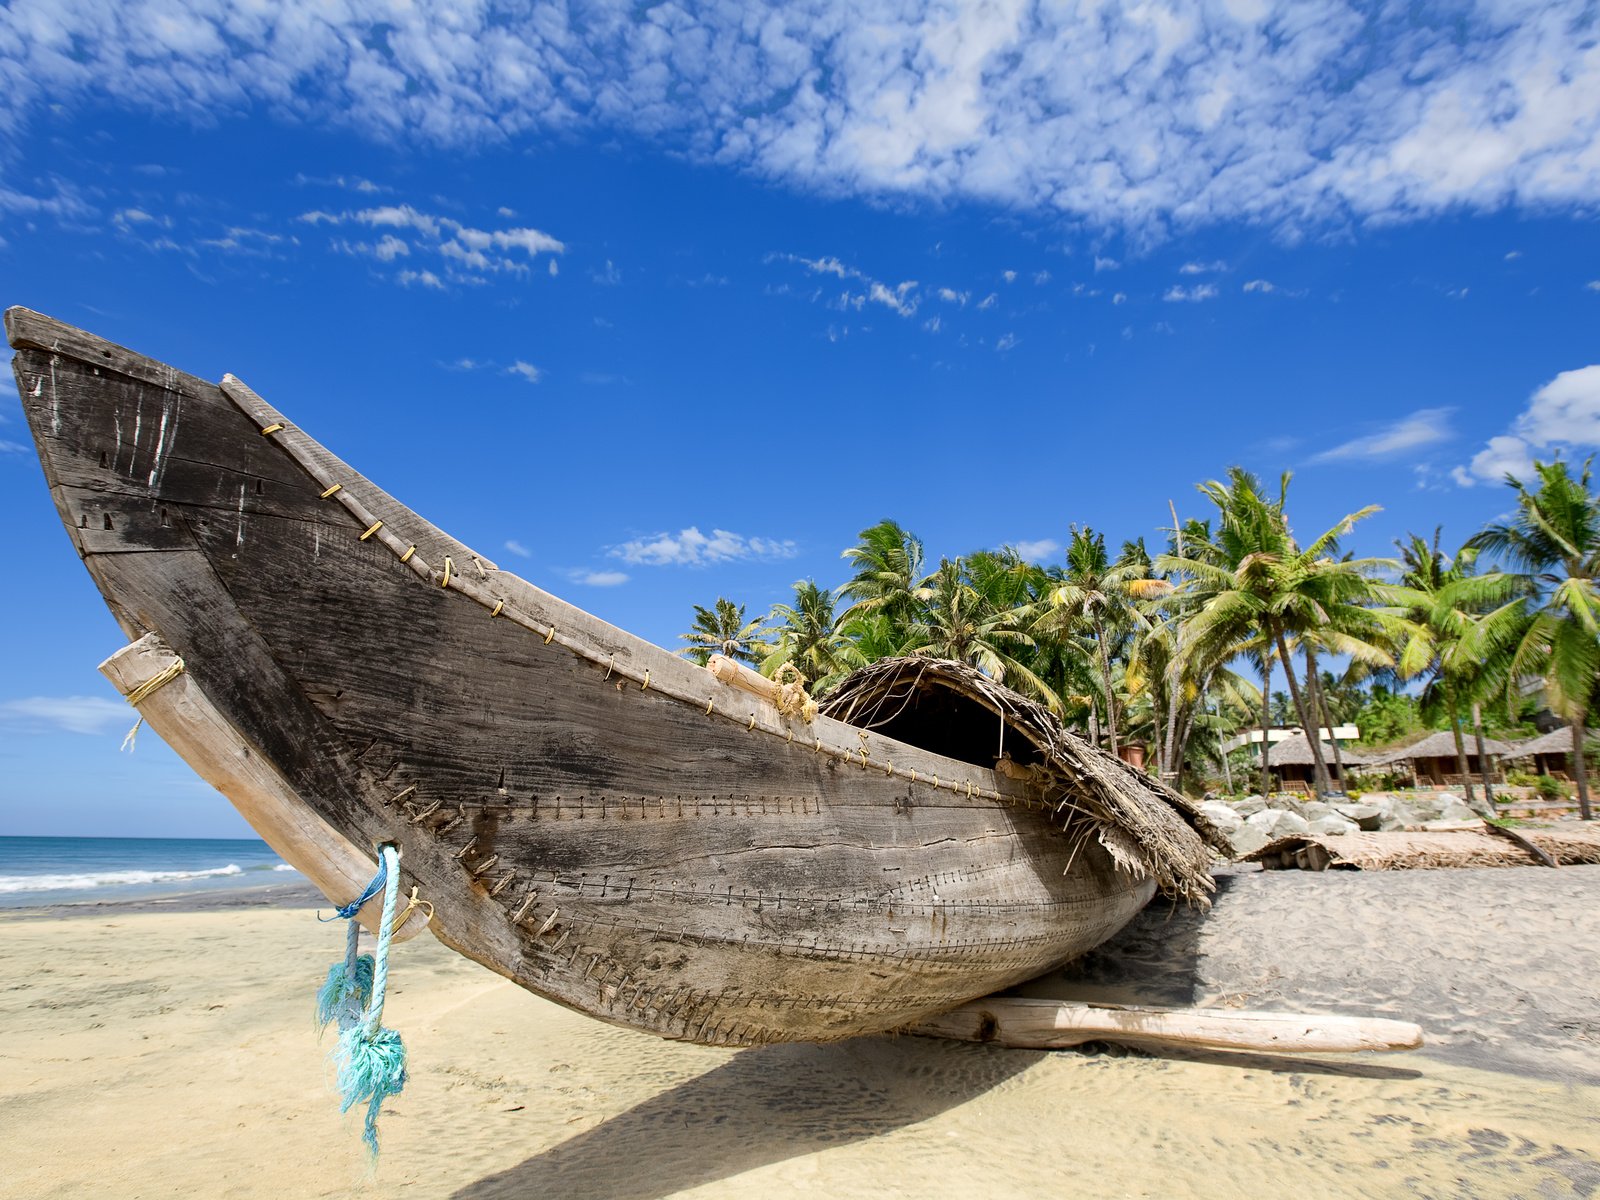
[[1148, 828]]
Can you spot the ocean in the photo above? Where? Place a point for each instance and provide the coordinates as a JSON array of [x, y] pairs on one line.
[[65, 870]]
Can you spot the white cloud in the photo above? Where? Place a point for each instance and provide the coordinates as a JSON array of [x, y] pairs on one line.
[[515, 547], [901, 298], [12, 447], [932, 324], [951, 296], [1009, 276], [690, 547], [1425, 427], [1261, 285], [1563, 413], [599, 578], [1139, 116], [1200, 291], [525, 370], [1512, 255], [421, 278], [1202, 268], [988, 302], [70, 714], [1009, 342], [1036, 551], [1120, 298], [1593, 285], [469, 253], [1105, 264], [1040, 278]]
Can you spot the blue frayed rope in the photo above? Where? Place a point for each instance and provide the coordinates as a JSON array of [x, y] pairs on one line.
[[370, 1059], [360, 902], [344, 995]]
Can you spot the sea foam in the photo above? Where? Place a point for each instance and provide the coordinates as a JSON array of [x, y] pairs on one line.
[[94, 879]]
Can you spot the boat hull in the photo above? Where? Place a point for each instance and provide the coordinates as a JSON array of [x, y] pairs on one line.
[[590, 816]]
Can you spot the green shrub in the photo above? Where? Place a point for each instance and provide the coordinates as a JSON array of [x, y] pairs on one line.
[[1521, 779], [1550, 787]]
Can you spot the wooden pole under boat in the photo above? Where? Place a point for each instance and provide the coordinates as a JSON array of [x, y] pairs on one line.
[[1035, 1024], [151, 676]]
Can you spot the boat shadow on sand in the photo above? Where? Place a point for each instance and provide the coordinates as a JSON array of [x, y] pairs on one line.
[[783, 1102], [765, 1105], [776, 1103]]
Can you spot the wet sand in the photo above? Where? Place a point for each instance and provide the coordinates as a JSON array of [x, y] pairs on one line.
[[162, 1052]]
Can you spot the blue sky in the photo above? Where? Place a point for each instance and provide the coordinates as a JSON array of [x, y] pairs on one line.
[[656, 303]]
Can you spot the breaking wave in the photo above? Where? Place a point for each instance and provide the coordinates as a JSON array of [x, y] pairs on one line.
[[95, 879]]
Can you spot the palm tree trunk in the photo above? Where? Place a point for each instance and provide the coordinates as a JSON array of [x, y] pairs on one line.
[[1266, 718], [1227, 769], [1318, 767], [1174, 690], [1320, 702], [1580, 769], [1105, 678], [1483, 755], [1185, 731], [1094, 723], [1461, 745]]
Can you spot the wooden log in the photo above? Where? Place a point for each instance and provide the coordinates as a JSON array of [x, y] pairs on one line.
[[742, 677], [1511, 835], [1034, 1024], [188, 722]]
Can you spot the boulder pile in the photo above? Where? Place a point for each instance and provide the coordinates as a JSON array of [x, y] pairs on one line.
[[1252, 821]]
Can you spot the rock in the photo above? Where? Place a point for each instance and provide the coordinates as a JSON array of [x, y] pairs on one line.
[[1313, 810], [1248, 838], [1249, 805], [1454, 810], [1398, 816], [1289, 823], [1365, 816], [1333, 824], [1222, 816]]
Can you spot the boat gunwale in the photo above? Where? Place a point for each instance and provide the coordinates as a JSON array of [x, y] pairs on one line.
[[621, 654]]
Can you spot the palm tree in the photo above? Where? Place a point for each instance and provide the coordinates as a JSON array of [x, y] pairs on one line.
[[722, 629], [1554, 538], [1103, 600], [960, 623], [888, 569], [809, 638], [1453, 623], [1255, 582]]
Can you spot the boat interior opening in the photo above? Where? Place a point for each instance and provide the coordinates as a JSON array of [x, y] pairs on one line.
[[931, 716]]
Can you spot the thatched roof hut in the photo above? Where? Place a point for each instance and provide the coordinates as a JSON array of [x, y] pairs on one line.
[[1291, 759], [1552, 751], [959, 711], [1433, 758], [1557, 741]]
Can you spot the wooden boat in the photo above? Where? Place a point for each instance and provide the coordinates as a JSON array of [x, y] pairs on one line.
[[604, 823]]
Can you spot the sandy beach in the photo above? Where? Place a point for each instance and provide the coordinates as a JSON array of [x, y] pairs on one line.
[[167, 1049]]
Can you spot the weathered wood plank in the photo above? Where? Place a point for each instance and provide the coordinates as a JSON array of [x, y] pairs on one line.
[[1038, 1024]]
